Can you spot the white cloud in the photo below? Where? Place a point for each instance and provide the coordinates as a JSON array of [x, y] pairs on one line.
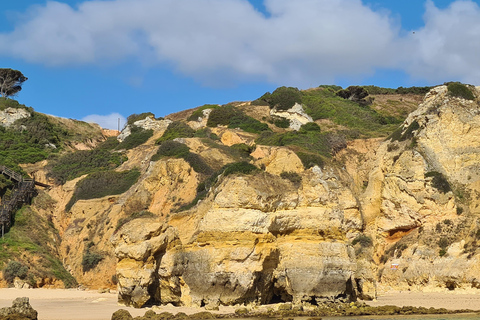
[[227, 41], [447, 47], [106, 121]]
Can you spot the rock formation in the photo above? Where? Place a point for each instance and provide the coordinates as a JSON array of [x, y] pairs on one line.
[[20, 310], [383, 213]]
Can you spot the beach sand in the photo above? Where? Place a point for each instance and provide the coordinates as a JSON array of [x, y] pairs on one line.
[[72, 304]]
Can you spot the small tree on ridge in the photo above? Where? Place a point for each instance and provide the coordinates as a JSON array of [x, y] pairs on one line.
[[10, 82]]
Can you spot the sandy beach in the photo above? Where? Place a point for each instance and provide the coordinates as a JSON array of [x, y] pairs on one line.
[[72, 304]]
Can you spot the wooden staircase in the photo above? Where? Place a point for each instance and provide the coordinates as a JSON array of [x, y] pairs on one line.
[[22, 193]]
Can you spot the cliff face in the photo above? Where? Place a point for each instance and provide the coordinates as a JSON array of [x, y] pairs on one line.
[[396, 213], [421, 202]]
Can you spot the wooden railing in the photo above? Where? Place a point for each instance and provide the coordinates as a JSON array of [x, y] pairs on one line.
[[22, 193]]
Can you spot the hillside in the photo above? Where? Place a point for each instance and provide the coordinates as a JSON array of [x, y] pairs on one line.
[[299, 196]]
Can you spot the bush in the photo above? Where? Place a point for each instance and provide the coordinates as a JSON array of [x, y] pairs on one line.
[[310, 160], [109, 144], [281, 122], [282, 98], [242, 149], [175, 130], [293, 177], [78, 163], [179, 150], [197, 163], [137, 137], [353, 115], [397, 135], [330, 87], [171, 148], [353, 93], [206, 133], [239, 167], [198, 113], [90, 260], [413, 90], [101, 184], [309, 127], [459, 90], [234, 118], [14, 269], [136, 117], [439, 181]]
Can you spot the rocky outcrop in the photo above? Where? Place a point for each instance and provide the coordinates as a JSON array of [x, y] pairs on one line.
[[20, 309], [257, 239], [10, 115], [295, 114], [149, 123], [421, 200]]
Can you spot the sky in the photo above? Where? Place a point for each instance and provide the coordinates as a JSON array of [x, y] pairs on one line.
[[103, 60]]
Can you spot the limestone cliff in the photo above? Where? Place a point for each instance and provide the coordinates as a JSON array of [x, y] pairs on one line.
[[381, 213]]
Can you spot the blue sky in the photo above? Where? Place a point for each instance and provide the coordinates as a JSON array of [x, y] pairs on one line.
[[100, 60]]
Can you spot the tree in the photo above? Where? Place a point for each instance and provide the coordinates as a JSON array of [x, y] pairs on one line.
[[10, 82]]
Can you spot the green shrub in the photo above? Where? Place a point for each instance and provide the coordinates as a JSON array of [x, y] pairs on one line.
[[136, 117], [355, 116], [198, 113], [282, 98], [175, 130], [247, 124], [439, 181], [90, 260], [234, 118], [11, 103], [413, 90], [78, 163], [239, 167], [109, 144], [293, 177], [137, 137], [330, 87], [197, 163], [354, 93], [281, 122], [400, 135], [14, 269], [179, 150], [310, 160], [222, 116], [443, 243], [242, 149], [171, 148], [101, 184], [459, 90], [309, 127], [378, 90], [206, 133]]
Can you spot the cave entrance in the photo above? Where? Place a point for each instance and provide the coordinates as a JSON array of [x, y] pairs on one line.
[[280, 295]]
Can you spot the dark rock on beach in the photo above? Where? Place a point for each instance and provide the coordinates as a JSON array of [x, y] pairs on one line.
[[20, 310]]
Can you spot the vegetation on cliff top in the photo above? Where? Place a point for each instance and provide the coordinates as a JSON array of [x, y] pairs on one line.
[[103, 183]]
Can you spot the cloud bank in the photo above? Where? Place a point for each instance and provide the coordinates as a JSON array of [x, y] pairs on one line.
[[106, 121], [221, 41]]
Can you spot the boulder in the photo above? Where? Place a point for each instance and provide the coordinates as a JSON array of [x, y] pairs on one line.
[[20, 309]]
